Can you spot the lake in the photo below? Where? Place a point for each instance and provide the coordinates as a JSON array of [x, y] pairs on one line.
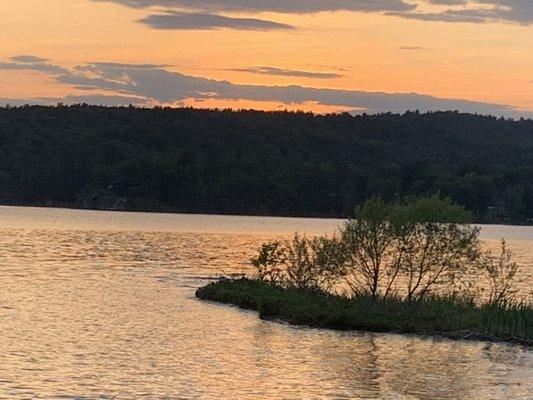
[[101, 305]]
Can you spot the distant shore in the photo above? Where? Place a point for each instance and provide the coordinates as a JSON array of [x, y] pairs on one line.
[[432, 317], [173, 210], [184, 160]]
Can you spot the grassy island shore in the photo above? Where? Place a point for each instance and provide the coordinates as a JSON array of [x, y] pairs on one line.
[[445, 317], [414, 266]]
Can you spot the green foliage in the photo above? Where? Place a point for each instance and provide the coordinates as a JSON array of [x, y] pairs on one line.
[[412, 249], [431, 210], [434, 255], [301, 263], [500, 271], [252, 162], [435, 244], [302, 271], [269, 261], [446, 316], [328, 257], [368, 240]]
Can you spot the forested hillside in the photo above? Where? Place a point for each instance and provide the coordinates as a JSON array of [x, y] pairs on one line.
[[253, 162]]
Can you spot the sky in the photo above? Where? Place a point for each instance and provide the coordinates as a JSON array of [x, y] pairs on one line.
[[314, 55]]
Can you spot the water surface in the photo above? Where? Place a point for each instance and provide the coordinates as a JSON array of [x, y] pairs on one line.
[[101, 305]]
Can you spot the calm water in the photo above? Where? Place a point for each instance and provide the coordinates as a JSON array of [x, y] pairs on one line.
[[98, 305]]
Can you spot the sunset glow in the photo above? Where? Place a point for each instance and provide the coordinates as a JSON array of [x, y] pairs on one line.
[[486, 59]]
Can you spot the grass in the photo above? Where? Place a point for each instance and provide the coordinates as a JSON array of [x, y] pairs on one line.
[[449, 317]]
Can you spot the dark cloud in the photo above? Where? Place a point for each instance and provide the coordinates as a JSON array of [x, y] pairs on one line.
[[475, 11], [479, 11], [290, 6], [179, 20], [288, 72], [153, 84]]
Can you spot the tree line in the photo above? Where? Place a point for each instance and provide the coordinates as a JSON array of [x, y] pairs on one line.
[[269, 163]]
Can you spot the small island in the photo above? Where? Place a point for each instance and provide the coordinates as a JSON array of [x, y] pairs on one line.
[[407, 267]]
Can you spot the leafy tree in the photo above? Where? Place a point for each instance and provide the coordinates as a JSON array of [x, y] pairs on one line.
[[407, 249], [370, 252], [435, 242]]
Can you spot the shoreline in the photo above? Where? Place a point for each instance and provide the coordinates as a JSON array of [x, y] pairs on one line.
[[170, 210], [317, 310]]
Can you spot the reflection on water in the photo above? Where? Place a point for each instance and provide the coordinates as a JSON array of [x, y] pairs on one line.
[[102, 306]]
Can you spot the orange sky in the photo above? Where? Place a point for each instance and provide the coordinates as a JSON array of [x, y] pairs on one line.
[[489, 62]]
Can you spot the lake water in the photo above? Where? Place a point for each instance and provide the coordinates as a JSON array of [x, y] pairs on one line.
[[100, 305]]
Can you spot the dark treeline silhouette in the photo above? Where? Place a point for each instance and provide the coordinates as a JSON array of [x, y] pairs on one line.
[[252, 162]]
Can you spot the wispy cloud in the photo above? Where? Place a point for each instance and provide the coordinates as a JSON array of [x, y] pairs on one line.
[[290, 6], [212, 14], [475, 11], [180, 20], [31, 63], [155, 84], [28, 59], [448, 2], [287, 72], [410, 48]]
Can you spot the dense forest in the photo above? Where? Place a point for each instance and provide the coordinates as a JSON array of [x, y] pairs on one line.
[[270, 163]]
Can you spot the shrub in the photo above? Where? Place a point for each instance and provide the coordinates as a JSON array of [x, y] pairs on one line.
[[300, 263], [500, 271], [269, 262], [410, 250]]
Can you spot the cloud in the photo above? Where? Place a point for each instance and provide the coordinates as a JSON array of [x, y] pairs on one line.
[[28, 59], [410, 48], [287, 72], [472, 11], [180, 20], [31, 63], [290, 6], [448, 2], [206, 14], [155, 84], [476, 11]]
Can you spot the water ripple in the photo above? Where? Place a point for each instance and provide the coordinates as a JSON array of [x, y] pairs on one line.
[[110, 314]]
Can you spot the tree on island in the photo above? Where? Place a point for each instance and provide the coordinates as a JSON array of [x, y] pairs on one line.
[[409, 249]]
